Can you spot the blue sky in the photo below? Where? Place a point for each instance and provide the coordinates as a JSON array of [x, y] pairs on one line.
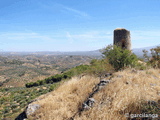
[[76, 25]]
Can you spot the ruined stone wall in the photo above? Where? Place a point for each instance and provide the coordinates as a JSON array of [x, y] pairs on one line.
[[122, 38]]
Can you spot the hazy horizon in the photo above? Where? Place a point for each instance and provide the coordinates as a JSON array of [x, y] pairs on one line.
[[75, 51]]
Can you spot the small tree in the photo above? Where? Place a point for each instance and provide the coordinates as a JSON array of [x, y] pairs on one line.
[[155, 59], [119, 58], [156, 53], [145, 54]]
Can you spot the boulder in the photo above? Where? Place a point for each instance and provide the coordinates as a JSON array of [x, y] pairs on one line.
[[104, 82], [88, 104], [31, 108]]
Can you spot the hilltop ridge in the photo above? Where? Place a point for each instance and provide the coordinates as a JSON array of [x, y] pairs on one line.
[[129, 92]]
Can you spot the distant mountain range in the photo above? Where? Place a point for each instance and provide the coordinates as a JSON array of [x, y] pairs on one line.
[[80, 53], [137, 51]]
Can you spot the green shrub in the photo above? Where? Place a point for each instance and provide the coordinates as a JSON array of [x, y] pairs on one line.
[[58, 77], [52, 87], [119, 58], [100, 67], [140, 66], [41, 82], [155, 60], [150, 107], [6, 110]]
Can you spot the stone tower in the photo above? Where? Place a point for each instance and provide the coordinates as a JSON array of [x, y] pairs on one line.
[[122, 38]]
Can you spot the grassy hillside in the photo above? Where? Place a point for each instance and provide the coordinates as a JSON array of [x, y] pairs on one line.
[[130, 91], [14, 100]]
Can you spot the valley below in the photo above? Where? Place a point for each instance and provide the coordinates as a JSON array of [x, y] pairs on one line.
[[18, 69]]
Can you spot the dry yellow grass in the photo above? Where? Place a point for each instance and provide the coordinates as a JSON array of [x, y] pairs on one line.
[[123, 95], [64, 102]]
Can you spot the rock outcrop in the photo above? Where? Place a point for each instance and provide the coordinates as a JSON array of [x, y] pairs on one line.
[[90, 101]]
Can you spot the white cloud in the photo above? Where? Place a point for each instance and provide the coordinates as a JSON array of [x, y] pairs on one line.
[[24, 36], [65, 9], [26, 41], [91, 36], [145, 38], [90, 40], [69, 37], [76, 12]]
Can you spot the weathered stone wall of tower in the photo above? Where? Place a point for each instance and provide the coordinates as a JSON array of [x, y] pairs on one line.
[[122, 38]]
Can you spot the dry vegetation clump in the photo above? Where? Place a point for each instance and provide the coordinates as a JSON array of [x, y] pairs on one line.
[[127, 93], [66, 100]]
